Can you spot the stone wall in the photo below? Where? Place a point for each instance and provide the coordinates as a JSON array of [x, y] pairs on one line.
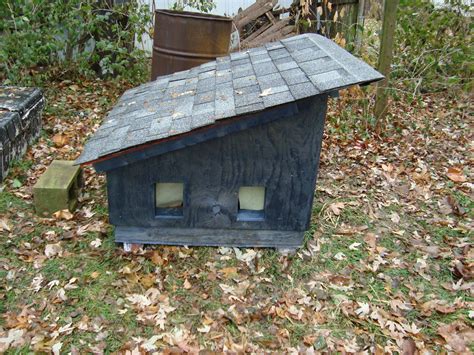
[[20, 122]]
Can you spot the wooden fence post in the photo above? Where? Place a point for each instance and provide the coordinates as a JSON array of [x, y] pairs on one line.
[[385, 59], [360, 25]]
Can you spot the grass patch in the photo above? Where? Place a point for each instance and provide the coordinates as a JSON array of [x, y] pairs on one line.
[[354, 216], [9, 201], [22, 166]]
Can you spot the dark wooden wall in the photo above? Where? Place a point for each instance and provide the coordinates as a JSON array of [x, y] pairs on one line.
[[282, 155]]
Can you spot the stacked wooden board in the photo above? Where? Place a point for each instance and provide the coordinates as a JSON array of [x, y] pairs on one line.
[[260, 23], [264, 21]]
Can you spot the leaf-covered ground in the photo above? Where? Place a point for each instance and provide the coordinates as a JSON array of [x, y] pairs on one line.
[[387, 265]]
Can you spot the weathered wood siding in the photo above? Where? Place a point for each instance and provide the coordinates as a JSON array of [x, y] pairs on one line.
[[210, 237], [282, 156]]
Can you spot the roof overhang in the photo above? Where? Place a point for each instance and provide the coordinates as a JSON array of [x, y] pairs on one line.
[[219, 129]]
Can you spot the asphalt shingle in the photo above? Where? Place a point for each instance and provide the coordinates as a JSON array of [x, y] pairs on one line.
[[241, 83]]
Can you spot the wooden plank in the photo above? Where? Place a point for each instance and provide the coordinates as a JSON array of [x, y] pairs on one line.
[[337, 2], [272, 36], [210, 237], [281, 11], [256, 33], [253, 12], [272, 29], [385, 60], [270, 17]]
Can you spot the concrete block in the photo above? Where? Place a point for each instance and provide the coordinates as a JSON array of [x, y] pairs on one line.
[[58, 188]]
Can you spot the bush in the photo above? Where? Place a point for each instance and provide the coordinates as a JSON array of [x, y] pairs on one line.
[[40, 39], [433, 46], [200, 5]]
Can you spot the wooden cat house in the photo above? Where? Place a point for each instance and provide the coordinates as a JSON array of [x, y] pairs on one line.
[[226, 153]]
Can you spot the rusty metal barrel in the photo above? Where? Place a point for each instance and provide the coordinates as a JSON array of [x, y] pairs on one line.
[[183, 40]]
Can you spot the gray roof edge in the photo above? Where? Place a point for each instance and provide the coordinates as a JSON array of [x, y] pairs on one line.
[[363, 71]]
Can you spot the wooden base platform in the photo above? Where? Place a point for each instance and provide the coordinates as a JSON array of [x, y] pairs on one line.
[[282, 240]]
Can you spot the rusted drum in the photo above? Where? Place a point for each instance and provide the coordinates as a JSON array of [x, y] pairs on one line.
[[183, 40]]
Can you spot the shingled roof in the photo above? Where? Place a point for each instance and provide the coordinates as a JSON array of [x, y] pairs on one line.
[[244, 82]]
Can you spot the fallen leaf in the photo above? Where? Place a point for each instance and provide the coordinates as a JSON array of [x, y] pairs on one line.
[[149, 345], [336, 207], [456, 174], [228, 271], [52, 250], [340, 256], [445, 207], [363, 310], [246, 257], [204, 329], [455, 206], [463, 272], [4, 226], [238, 290], [395, 218], [354, 246], [432, 250], [140, 300], [57, 348], [36, 283], [52, 284], [156, 258], [96, 243], [397, 305], [61, 295], [408, 347], [148, 280], [70, 285], [439, 306], [177, 114], [371, 240], [59, 140], [266, 92], [457, 335], [66, 329], [63, 214], [14, 338], [227, 288], [339, 280]]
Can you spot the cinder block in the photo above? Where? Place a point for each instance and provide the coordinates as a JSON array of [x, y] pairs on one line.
[[58, 188]]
